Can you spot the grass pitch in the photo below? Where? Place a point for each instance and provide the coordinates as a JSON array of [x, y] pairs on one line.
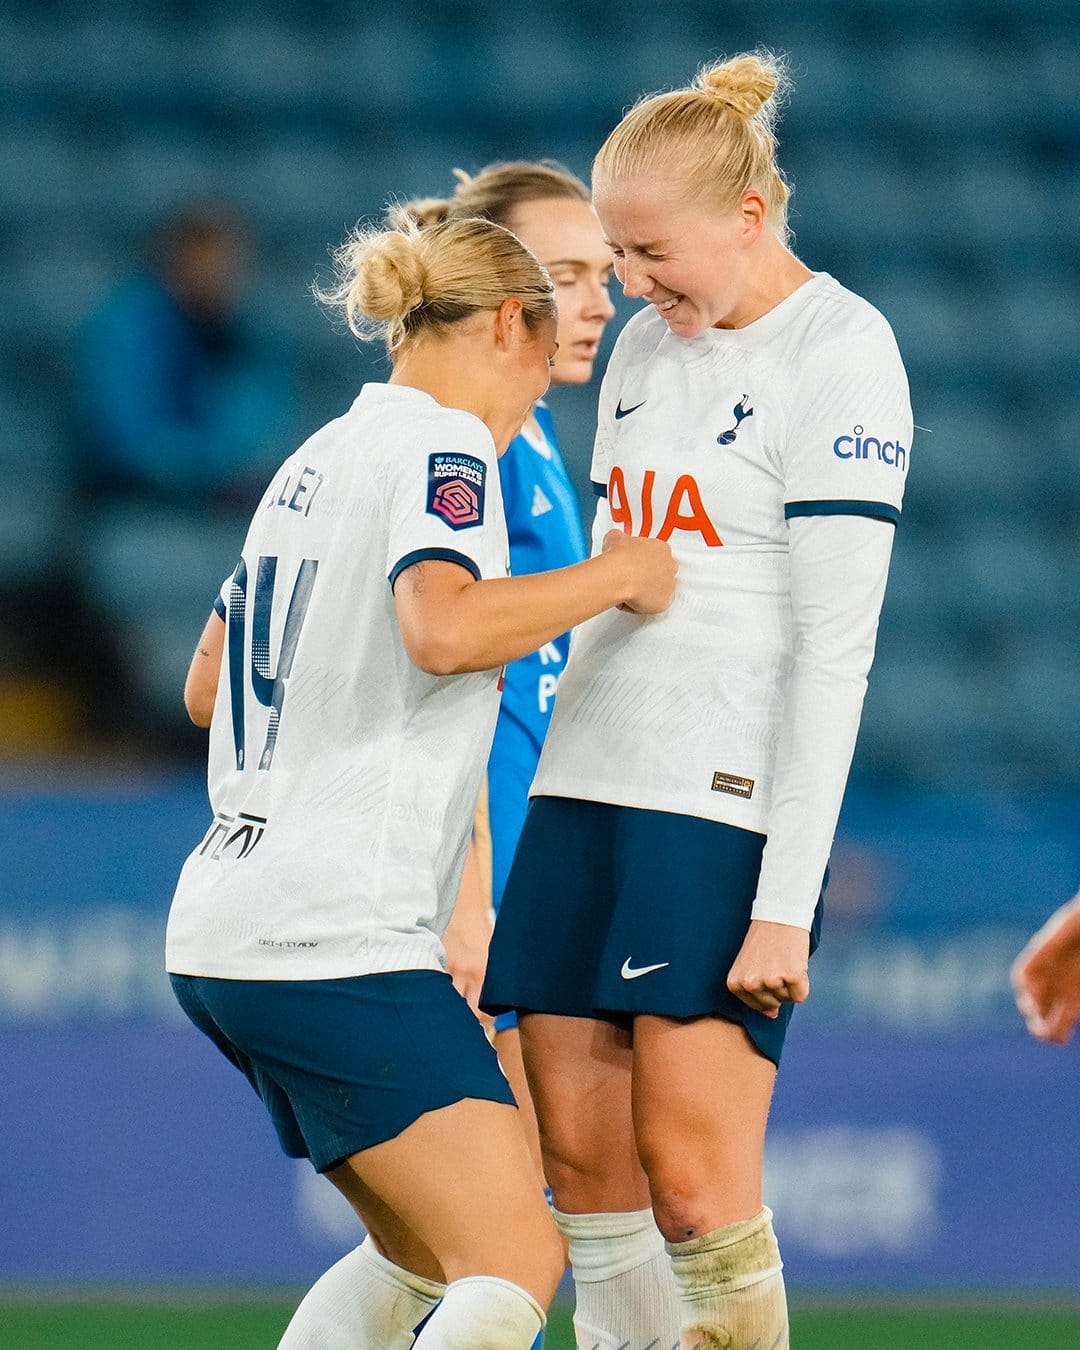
[[158, 1322]]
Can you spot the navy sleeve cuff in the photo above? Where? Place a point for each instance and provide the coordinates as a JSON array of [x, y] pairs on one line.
[[599, 488], [219, 606], [877, 510], [432, 555]]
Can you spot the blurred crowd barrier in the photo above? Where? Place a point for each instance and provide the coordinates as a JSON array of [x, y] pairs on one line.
[[916, 1128]]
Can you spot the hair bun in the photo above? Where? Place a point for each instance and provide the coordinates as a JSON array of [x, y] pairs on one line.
[[745, 83], [391, 276]]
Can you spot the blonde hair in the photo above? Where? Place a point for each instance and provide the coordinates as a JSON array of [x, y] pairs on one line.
[[401, 282], [494, 193], [716, 137]]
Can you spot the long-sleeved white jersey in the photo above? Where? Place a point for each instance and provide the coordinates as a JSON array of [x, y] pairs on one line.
[[773, 458]]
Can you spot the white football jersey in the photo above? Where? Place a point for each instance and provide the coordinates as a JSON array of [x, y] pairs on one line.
[[342, 778], [729, 445]]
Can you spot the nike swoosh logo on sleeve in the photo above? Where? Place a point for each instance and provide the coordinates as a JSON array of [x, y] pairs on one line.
[[621, 412]]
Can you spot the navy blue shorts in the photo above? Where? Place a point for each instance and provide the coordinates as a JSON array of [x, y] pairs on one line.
[[617, 910], [345, 1064]]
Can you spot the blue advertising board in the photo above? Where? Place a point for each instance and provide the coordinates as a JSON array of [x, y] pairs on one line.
[[916, 1130]]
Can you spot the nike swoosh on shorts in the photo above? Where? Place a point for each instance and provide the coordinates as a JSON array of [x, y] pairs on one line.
[[629, 973]]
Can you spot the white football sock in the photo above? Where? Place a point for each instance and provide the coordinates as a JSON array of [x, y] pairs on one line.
[[364, 1302], [482, 1312], [626, 1297], [731, 1290]]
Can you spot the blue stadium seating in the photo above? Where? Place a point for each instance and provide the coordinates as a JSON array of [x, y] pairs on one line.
[[935, 150]]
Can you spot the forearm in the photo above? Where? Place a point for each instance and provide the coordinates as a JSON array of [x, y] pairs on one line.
[[485, 624], [839, 568], [817, 742]]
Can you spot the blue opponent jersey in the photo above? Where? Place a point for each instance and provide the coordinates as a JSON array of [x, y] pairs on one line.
[[544, 525]]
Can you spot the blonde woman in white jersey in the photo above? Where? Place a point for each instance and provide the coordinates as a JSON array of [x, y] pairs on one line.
[[359, 646], [756, 415]]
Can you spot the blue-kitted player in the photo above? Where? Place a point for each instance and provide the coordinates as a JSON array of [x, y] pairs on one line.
[[549, 210]]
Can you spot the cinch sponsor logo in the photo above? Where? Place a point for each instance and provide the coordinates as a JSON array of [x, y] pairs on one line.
[[858, 446]]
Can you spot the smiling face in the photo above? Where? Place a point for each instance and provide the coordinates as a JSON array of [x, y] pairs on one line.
[[566, 236], [693, 263]]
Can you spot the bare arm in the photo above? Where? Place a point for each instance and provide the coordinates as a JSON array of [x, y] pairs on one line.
[[468, 933], [452, 623], [200, 687]]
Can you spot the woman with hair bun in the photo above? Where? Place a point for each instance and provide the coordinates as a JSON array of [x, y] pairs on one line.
[[350, 678], [550, 211], [756, 414]]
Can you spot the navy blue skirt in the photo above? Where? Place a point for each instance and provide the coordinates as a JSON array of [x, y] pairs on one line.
[[619, 910]]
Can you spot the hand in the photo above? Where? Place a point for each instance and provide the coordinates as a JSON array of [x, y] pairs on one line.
[[650, 571], [1046, 977], [466, 940], [772, 967]]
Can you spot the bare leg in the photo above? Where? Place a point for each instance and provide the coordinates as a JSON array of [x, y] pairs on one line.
[[579, 1077], [701, 1103], [456, 1193], [369, 1298], [508, 1047], [579, 1071], [445, 1203]]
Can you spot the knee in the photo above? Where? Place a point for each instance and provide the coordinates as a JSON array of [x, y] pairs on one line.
[[681, 1212], [576, 1167], [688, 1197], [697, 1185], [674, 1187]]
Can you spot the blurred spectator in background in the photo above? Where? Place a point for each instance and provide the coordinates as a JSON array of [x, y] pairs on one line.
[[177, 400], [182, 413], [1046, 977]]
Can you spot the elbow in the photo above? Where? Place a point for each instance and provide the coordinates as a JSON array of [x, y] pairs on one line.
[[435, 656], [440, 648], [200, 707]]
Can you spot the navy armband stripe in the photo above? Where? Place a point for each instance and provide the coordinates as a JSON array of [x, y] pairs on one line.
[[599, 488], [877, 510], [432, 555]]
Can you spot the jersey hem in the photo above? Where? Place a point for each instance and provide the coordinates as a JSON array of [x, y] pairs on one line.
[[878, 510], [432, 555], [636, 801], [329, 970]]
